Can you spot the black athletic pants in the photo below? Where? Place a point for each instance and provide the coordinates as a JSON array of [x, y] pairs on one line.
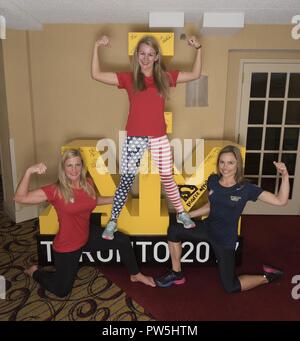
[[66, 264], [225, 257]]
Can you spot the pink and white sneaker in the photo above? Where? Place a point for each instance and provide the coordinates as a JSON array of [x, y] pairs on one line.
[[272, 274]]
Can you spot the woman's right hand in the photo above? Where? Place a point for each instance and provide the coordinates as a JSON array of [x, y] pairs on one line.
[[104, 41], [281, 168], [23, 195], [194, 42], [39, 168]]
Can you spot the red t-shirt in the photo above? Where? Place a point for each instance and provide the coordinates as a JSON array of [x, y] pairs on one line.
[[73, 218], [146, 111]]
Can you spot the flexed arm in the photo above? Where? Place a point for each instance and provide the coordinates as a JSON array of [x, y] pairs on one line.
[[109, 78], [281, 199], [184, 77], [23, 195]]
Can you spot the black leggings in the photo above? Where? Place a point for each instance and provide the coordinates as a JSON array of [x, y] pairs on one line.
[[61, 281], [225, 257]]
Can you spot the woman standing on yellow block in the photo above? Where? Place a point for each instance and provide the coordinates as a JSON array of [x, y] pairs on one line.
[[147, 87]]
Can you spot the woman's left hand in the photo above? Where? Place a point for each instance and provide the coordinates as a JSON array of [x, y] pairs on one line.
[[281, 168], [193, 41]]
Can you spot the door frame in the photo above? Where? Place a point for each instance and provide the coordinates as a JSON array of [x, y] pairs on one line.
[[262, 208]]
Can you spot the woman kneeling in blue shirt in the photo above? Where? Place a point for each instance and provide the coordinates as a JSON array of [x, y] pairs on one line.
[[228, 194]]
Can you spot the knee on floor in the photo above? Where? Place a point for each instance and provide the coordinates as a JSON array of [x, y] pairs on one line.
[[230, 288]]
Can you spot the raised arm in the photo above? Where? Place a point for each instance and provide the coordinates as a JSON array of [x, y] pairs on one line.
[[109, 78], [281, 199], [23, 195], [204, 210], [184, 77], [105, 200]]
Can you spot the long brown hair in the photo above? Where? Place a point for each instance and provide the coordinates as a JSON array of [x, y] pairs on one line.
[[239, 175], [160, 75], [64, 184]]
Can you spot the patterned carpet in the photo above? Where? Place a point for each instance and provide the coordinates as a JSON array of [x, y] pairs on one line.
[[93, 297]]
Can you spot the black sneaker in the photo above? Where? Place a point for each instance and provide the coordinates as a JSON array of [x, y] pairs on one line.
[[271, 273], [169, 279]]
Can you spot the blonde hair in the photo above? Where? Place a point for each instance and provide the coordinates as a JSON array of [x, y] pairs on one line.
[[160, 76], [239, 175], [64, 184]]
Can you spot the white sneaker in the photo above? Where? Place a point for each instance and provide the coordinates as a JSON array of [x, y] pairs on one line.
[[185, 219], [109, 231]]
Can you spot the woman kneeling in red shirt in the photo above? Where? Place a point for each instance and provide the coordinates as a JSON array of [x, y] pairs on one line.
[[74, 198]]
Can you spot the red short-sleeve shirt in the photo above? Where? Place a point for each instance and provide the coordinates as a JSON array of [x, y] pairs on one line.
[[146, 111], [73, 218]]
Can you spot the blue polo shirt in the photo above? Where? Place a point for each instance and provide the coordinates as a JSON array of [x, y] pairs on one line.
[[226, 206]]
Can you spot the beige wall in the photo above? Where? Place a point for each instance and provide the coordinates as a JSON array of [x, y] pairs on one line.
[[52, 99]]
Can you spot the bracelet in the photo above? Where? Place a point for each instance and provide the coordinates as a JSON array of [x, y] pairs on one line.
[[199, 47]]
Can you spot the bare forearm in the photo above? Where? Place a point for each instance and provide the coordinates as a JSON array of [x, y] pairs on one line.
[[197, 67], [95, 63], [22, 189], [184, 77], [282, 197], [23, 195], [109, 78], [283, 194], [202, 211]]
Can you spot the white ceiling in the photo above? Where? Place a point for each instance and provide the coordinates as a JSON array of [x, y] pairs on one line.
[[32, 14]]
